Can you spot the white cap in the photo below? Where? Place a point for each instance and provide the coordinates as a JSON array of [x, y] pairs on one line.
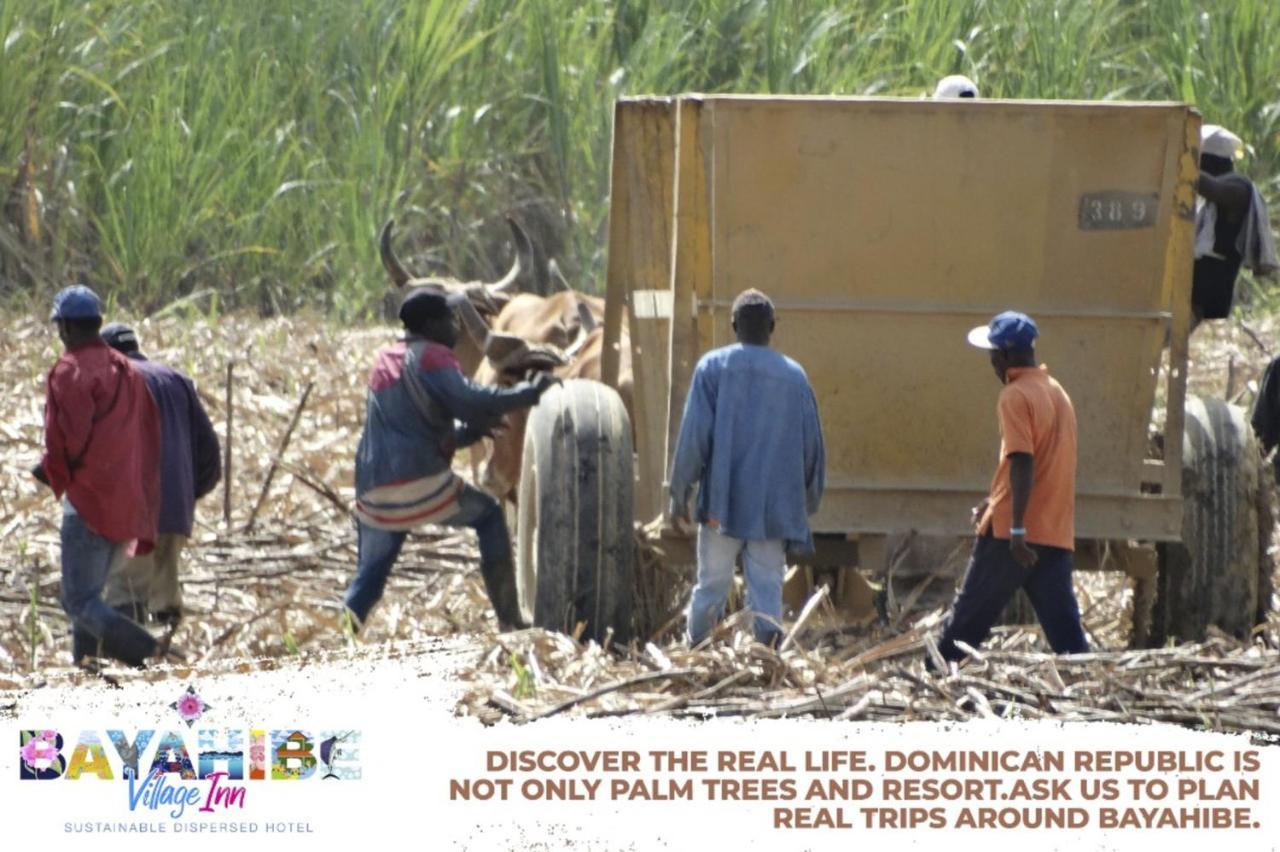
[[1220, 142], [955, 86]]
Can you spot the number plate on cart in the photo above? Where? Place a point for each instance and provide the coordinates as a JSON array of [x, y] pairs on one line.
[[1118, 210]]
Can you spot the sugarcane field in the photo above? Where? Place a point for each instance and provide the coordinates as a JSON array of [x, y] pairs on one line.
[[412, 371]]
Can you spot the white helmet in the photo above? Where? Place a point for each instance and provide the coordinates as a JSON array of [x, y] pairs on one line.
[[955, 86], [1220, 142]]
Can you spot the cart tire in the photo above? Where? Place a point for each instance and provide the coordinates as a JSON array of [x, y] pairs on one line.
[[1266, 533], [1212, 576], [574, 537]]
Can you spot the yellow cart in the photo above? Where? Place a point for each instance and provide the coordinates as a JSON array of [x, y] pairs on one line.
[[884, 229]]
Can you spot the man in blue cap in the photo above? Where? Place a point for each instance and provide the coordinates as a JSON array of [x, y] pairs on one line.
[[421, 409], [102, 454], [1026, 526], [190, 467]]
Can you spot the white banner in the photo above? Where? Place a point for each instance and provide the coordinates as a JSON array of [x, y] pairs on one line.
[[367, 754]]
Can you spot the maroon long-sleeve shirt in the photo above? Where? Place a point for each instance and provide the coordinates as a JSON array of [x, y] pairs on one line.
[[102, 443]]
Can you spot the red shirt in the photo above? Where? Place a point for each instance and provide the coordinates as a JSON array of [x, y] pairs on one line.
[[102, 443]]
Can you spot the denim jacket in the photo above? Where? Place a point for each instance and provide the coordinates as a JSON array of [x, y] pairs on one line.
[[398, 442], [751, 440]]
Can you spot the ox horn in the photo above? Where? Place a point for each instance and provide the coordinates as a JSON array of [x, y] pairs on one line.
[[508, 353], [584, 337], [558, 281], [399, 275], [521, 265], [476, 327], [585, 317], [586, 326]]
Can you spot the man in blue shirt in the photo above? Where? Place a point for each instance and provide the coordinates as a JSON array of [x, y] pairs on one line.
[[752, 442], [421, 409], [190, 467]]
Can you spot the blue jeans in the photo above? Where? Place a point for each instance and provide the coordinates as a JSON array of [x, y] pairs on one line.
[[992, 578], [377, 550], [763, 563], [96, 629]]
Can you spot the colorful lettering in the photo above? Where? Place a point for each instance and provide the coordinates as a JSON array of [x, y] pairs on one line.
[[257, 755], [292, 755], [156, 792], [89, 757], [225, 796], [171, 756], [40, 755], [340, 755], [211, 754]]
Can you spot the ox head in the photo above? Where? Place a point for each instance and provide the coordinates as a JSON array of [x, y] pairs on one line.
[[484, 299], [510, 359], [513, 359]]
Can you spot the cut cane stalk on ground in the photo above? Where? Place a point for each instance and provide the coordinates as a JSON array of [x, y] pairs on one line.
[[301, 556]]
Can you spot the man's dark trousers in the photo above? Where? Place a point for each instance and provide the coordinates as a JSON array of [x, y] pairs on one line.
[[992, 578]]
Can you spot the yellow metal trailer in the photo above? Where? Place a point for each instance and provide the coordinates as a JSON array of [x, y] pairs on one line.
[[884, 229]]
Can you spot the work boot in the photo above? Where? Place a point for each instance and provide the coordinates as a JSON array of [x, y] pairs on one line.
[[168, 617], [165, 651], [500, 582], [133, 610]]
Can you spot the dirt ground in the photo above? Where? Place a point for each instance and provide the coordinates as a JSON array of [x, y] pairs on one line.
[[431, 664], [267, 585]]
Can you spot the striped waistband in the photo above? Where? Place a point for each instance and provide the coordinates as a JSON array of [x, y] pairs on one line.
[[409, 504]]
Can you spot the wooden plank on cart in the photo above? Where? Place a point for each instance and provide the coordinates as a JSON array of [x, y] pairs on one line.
[[691, 270], [642, 187]]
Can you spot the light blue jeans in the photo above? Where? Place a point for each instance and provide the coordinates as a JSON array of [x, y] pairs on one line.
[[763, 563]]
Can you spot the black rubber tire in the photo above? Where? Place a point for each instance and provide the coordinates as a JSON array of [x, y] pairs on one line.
[[1211, 577], [574, 539], [1266, 533]]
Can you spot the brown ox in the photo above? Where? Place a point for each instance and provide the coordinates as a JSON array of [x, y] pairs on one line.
[[509, 360], [485, 301], [556, 320], [529, 333]]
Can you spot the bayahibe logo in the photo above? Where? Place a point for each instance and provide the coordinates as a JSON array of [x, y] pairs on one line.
[[165, 773]]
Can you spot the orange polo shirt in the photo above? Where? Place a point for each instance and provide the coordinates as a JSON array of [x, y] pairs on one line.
[[1036, 417]]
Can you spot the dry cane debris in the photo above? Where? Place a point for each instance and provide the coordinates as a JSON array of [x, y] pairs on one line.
[[268, 585], [1219, 684]]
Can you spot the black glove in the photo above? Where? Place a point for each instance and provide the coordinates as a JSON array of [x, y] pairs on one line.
[[544, 382], [488, 427], [39, 474]]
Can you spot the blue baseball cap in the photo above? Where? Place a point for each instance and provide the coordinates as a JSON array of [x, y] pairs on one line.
[[1009, 330], [76, 303]]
